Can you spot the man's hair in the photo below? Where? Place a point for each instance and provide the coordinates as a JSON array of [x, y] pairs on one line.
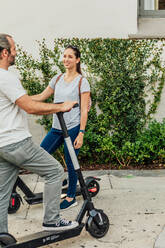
[[4, 43]]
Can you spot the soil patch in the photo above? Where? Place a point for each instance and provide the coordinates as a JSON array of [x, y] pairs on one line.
[[86, 167]]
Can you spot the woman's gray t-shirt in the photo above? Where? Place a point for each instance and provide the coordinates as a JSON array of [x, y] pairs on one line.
[[64, 91]]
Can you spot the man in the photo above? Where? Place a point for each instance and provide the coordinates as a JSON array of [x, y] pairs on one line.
[[16, 147]]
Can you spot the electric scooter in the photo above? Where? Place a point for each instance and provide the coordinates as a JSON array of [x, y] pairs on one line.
[[97, 222], [36, 198]]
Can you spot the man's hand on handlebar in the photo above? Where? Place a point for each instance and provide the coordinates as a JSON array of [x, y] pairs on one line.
[[67, 106]]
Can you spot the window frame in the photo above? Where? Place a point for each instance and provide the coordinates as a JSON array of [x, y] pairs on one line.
[[150, 13]]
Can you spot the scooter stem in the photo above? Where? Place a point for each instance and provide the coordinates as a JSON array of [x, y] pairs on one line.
[[68, 141]]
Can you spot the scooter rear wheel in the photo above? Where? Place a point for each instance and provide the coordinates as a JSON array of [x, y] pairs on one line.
[[93, 188], [14, 203], [95, 230]]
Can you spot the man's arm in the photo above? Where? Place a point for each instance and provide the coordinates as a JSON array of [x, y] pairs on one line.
[[26, 103]]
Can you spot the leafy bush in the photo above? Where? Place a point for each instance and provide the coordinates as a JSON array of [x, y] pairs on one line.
[[122, 73]]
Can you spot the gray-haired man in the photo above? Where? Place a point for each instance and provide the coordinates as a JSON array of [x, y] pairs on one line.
[[16, 147]]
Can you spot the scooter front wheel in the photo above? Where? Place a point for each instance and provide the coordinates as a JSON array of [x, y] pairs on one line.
[[98, 228]]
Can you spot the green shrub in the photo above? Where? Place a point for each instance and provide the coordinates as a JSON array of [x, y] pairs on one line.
[[122, 72], [150, 143]]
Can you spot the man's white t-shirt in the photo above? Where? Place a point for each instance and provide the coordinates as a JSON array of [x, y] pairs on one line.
[[13, 120]]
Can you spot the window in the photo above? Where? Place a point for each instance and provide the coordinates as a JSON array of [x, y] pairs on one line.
[[152, 8]]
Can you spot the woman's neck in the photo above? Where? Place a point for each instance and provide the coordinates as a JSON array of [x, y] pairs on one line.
[[70, 75]]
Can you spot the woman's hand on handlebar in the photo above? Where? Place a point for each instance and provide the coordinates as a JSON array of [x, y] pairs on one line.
[[67, 106]]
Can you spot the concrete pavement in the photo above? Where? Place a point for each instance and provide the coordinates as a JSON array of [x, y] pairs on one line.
[[133, 200]]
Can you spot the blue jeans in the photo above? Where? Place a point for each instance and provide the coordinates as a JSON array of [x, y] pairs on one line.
[[51, 142]]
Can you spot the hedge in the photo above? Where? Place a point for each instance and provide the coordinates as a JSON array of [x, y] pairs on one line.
[[126, 78]]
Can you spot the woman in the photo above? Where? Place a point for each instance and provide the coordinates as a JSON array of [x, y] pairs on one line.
[[66, 87]]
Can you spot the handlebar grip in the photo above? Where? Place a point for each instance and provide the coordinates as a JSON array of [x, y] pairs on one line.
[[75, 106]]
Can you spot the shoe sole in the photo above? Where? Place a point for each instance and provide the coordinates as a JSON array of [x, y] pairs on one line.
[[65, 187], [63, 196], [59, 229], [73, 205]]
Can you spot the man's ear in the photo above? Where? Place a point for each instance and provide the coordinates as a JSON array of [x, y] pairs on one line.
[[4, 53]]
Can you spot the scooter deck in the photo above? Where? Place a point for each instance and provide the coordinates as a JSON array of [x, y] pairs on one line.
[[44, 238], [36, 199]]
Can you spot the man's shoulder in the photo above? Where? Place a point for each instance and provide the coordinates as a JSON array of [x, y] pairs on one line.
[[8, 76]]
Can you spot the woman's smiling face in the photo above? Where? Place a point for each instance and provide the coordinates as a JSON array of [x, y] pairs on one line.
[[69, 59]]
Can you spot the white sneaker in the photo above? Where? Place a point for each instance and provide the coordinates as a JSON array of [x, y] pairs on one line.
[[61, 225]]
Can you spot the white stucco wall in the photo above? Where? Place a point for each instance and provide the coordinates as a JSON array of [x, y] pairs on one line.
[[150, 28], [33, 20]]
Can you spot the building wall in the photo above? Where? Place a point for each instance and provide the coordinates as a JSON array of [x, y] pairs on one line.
[[34, 20], [149, 27]]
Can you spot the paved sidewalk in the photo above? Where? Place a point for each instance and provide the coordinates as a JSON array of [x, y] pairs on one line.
[[133, 200]]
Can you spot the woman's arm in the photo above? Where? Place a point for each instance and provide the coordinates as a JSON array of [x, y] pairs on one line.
[[83, 119], [84, 109], [43, 95]]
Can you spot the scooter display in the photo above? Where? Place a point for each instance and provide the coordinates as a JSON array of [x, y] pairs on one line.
[[36, 198], [96, 223]]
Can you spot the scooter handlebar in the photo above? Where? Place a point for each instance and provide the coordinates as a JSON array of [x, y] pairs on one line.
[[75, 106]]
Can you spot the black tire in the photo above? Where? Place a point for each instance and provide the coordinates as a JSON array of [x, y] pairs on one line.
[[14, 204], [94, 229], [6, 239], [93, 188]]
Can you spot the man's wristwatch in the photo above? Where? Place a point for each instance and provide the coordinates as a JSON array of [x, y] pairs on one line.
[[82, 131]]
